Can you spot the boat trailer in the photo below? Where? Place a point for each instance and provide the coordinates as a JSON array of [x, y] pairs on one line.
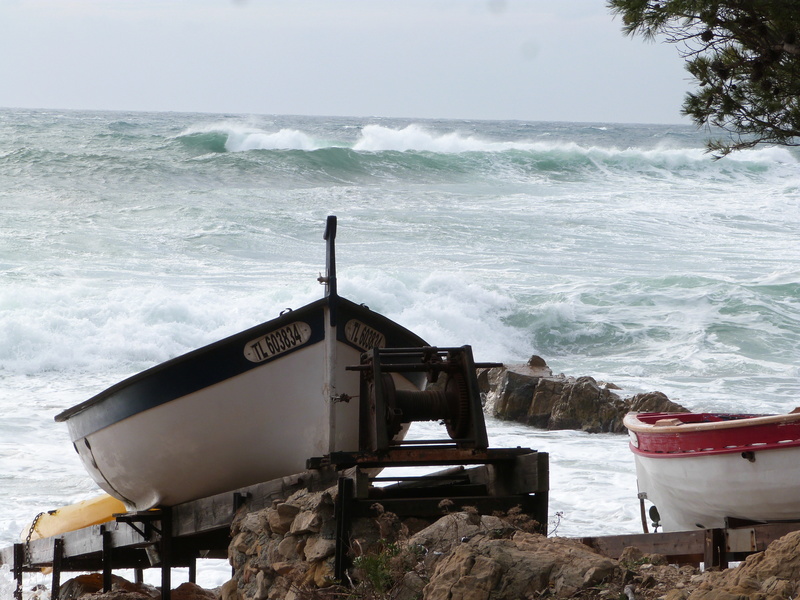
[[472, 475]]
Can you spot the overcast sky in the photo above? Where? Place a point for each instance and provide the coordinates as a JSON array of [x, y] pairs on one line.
[[539, 60]]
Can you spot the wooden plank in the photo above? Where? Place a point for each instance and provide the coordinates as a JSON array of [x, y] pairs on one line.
[[669, 544], [217, 512], [768, 533], [695, 546], [530, 473], [189, 519], [525, 474], [83, 542]]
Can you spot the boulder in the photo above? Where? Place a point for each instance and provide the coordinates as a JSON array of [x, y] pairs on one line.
[[524, 566], [230, 591], [653, 402], [192, 591], [448, 532], [92, 584], [281, 517], [318, 548], [532, 395], [770, 575], [587, 406]]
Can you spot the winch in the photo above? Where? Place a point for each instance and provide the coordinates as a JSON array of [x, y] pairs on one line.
[[452, 397]]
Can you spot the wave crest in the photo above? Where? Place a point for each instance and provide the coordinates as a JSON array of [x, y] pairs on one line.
[[234, 138], [377, 138], [384, 151]]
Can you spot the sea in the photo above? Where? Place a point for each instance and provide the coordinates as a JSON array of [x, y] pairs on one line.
[[619, 251]]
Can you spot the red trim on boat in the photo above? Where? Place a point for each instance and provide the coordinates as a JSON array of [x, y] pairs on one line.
[[741, 438]]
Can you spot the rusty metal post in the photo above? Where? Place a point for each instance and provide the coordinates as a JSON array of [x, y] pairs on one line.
[[107, 558], [166, 553], [343, 510], [19, 562], [643, 512]]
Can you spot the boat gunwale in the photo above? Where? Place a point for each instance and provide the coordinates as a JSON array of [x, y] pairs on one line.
[[316, 308], [716, 451], [632, 423], [184, 358], [744, 435]]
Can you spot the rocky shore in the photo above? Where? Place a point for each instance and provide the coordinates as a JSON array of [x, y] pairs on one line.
[[532, 395], [286, 551]]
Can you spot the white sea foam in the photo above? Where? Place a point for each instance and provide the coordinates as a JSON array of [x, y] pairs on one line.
[[241, 137], [377, 138], [285, 139]]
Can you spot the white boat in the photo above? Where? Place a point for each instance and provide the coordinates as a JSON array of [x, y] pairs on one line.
[[702, 470], [246, 409]]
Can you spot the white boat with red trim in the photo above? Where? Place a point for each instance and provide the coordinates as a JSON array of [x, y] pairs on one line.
[[701, 469], [249, 408]]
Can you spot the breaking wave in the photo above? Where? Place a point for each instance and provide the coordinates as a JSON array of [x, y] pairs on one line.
[[545, 154], [227, 138]]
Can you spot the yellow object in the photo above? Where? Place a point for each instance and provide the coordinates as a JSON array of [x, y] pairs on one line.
[[75, 516]]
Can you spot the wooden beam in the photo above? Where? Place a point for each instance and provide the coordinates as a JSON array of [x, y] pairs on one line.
[[217, 512], [678, 543], [703, 545]]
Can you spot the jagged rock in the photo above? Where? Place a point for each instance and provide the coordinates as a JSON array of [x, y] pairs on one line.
[[305, 522], [442, 536], [770, 575], [485, 567], [585, 405], [515, 395], [281, 517], [290, 547], [318, 548], [653, 402], [320, 574], [92, 583], [530, 394], [89, 586], [230, 591], [491, 381], [119, 595], [254, 522], [410, 587], [192, 591], [545, 396]]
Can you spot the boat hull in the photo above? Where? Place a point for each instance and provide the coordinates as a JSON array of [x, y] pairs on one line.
[[698, 474], [251, 408]]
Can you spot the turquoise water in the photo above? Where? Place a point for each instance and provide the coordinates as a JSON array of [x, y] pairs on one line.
[[618, 251]]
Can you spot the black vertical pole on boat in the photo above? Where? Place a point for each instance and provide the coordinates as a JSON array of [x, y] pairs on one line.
[[344, 498], [58, 555], [106, 558], [331, 291], [19, 561], [166, 553]]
